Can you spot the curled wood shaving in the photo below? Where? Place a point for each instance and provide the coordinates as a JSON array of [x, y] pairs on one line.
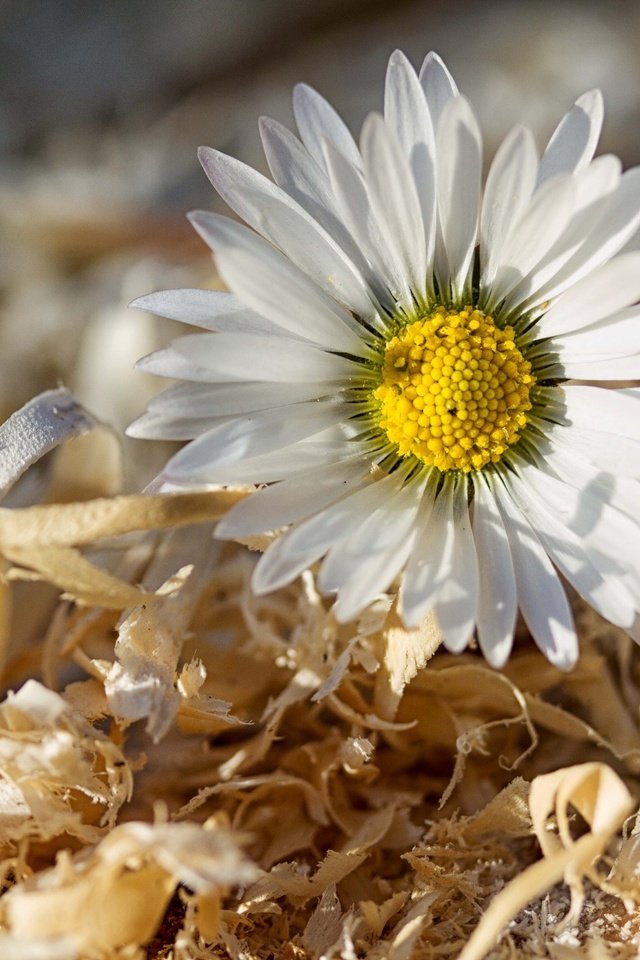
[[594, 791], [117, 895], [39, 426], [59, 776]]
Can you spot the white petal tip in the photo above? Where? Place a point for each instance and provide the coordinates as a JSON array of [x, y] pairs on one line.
[[214, 163], [373, 119], [262, 585], [562, 660], [203, 222], [497, 658], [411, 620], [196, 216], [591, 96], [206, 154], [136, 428], [432, 57], [347, 614], [458, 644], [145, 364], [229, 529], [159, 484], [398, 58], [302, 98], [143, 303], [220, 533], [372, 128], [268, 574]]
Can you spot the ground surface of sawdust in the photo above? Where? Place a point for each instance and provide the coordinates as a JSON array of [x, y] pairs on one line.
[[208, 774]]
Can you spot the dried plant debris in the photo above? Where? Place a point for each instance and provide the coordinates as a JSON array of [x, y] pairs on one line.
[[188, 771]]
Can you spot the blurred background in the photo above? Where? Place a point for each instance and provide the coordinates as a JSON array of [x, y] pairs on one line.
[[104, 105]]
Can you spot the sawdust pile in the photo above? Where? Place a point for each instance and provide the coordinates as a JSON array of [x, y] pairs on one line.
[[189, 772]]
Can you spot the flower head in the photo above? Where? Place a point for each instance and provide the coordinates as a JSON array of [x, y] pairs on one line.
[[398, 359]]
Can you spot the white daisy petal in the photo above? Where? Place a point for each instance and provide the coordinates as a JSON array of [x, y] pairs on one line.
[[317, 120], [168, 362], [497, 604], [306, 182], [590, 499], [292, 500], [543, 222], [373, 539], [574, 468], [374, 575], [614, 336], [407, 116], [603, 589], [599, 447], [153, 426], [210, 309], [617, 369], [507, 194], [272, 286], [395, 201], [541, 597], [354, 206], [236, 356], [278, 218], [459, 147], [294, 169], [429, 560], [288, 461], [442, 570], [251, 436], [306, 543], [594, 188], [617, 223], [456, 601], [575, 138], [609, 538], [231, 399], [606, 290], [438, 85], [612, 411]]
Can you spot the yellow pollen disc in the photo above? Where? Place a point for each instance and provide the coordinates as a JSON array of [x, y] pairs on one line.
[[455, 390]]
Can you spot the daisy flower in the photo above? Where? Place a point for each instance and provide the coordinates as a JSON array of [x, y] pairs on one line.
[[409, 365]]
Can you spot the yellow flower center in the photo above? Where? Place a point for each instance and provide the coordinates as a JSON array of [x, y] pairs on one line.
[[455, 390]]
